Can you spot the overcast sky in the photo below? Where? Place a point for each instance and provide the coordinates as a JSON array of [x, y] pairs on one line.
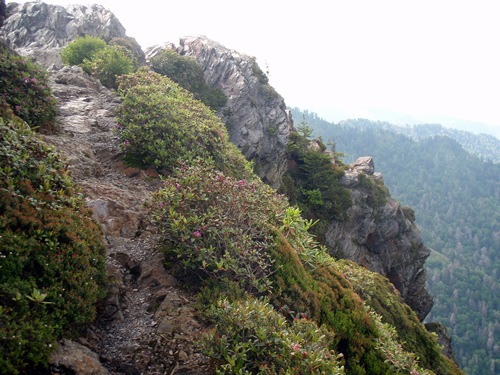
[[353, 58]]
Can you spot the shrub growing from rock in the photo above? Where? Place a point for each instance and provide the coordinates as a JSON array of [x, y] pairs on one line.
[[109, 63], [105, 62]]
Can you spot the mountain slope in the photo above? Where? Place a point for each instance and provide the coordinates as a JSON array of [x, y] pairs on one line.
[[456, 198], [212, 245]]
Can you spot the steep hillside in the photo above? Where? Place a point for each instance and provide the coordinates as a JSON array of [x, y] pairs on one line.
[[456, 200], [208, 267]]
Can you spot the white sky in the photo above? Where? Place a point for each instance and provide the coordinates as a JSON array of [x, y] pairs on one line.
[[423, 58]]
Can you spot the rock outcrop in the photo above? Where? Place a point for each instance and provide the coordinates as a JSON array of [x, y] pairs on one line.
[[379, 236], [39, 30], [255, 114]]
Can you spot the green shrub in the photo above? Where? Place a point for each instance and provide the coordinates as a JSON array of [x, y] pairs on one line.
[[185, 71], [161, 123], [24, 88], [51, 252], [133, 49], [109, 63], [251, 337], [81, 49], [216, 226]]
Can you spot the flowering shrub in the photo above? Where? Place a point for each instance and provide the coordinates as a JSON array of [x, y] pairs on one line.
[[251, 337], [216, 226], [161, 123], [24, 88], [51, 252]]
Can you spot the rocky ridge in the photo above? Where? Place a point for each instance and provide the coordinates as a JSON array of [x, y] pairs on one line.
[[382, 238], [255, 114]]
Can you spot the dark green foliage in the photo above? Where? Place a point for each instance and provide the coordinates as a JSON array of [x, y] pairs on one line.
[[376, 190], [51, 252], [24, 88], [161, 123], [456, 200], [81, 49], [313, 181], [187, 73]]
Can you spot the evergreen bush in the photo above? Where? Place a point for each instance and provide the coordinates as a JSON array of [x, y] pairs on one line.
[[215, 226], [109, 63]]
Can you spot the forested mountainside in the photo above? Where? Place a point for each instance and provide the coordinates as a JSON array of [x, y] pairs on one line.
[[486, 146], [456, 198]]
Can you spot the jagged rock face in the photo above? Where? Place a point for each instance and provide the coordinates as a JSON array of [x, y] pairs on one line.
[[382, 239], [255, 114], [40, 30]]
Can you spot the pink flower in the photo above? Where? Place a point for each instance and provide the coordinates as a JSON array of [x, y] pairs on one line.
[[296, 347], [196, 234]]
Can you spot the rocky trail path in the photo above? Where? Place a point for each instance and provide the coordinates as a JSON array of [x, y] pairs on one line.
[[148, 323]]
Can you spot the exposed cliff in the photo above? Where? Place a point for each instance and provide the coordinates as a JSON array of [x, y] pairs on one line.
[[255, 114], [380, 235]]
